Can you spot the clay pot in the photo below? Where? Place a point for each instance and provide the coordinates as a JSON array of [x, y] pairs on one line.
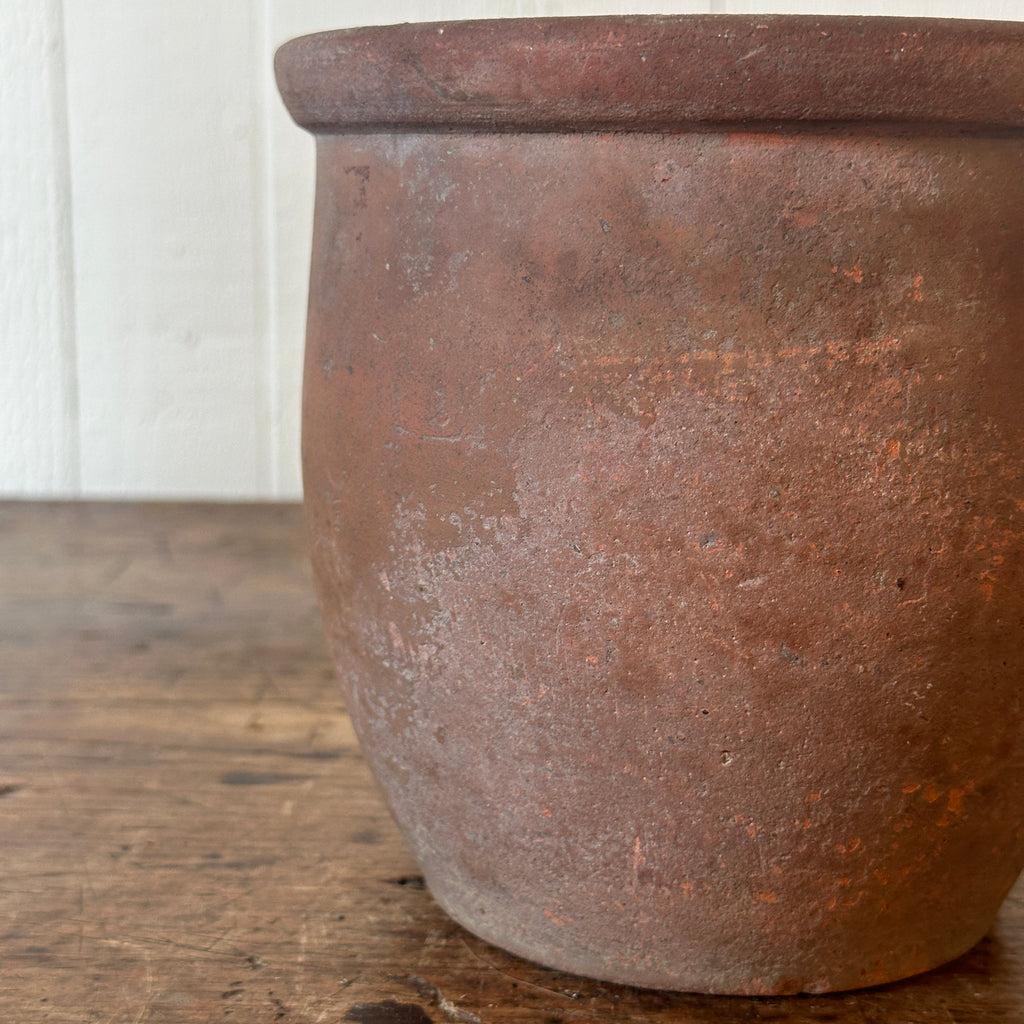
[[664, 464]]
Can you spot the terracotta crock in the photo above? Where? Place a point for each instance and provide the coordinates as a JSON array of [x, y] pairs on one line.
[[664, 465]]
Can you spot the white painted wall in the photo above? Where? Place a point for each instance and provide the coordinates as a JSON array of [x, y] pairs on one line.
[[155, 217], [38, 387]]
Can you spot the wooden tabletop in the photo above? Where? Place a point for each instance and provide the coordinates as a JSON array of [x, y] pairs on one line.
[[189, 833]]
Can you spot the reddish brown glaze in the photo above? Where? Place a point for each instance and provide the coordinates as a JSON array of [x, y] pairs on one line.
[[666, 500]]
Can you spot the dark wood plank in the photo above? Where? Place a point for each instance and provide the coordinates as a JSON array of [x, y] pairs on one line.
[[189, 832]]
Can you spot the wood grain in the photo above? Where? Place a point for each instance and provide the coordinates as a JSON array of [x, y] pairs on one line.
[[189, 832]]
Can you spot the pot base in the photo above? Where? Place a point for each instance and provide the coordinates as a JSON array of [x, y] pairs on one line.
[[709, 962]]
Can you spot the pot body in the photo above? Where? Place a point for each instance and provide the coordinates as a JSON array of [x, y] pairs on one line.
[[666, 494]]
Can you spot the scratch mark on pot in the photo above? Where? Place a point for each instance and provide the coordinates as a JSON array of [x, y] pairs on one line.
[[396, 637], [638, 862], [752, 582]]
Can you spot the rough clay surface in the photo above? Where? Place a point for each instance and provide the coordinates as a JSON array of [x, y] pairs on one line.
[[666, 502], [571, 74]]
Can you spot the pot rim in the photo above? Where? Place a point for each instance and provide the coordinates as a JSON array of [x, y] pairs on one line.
[[658, 73]]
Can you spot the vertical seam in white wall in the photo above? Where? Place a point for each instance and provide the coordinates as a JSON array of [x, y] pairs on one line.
[[265, 261], [64, 202], [263, 413]]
